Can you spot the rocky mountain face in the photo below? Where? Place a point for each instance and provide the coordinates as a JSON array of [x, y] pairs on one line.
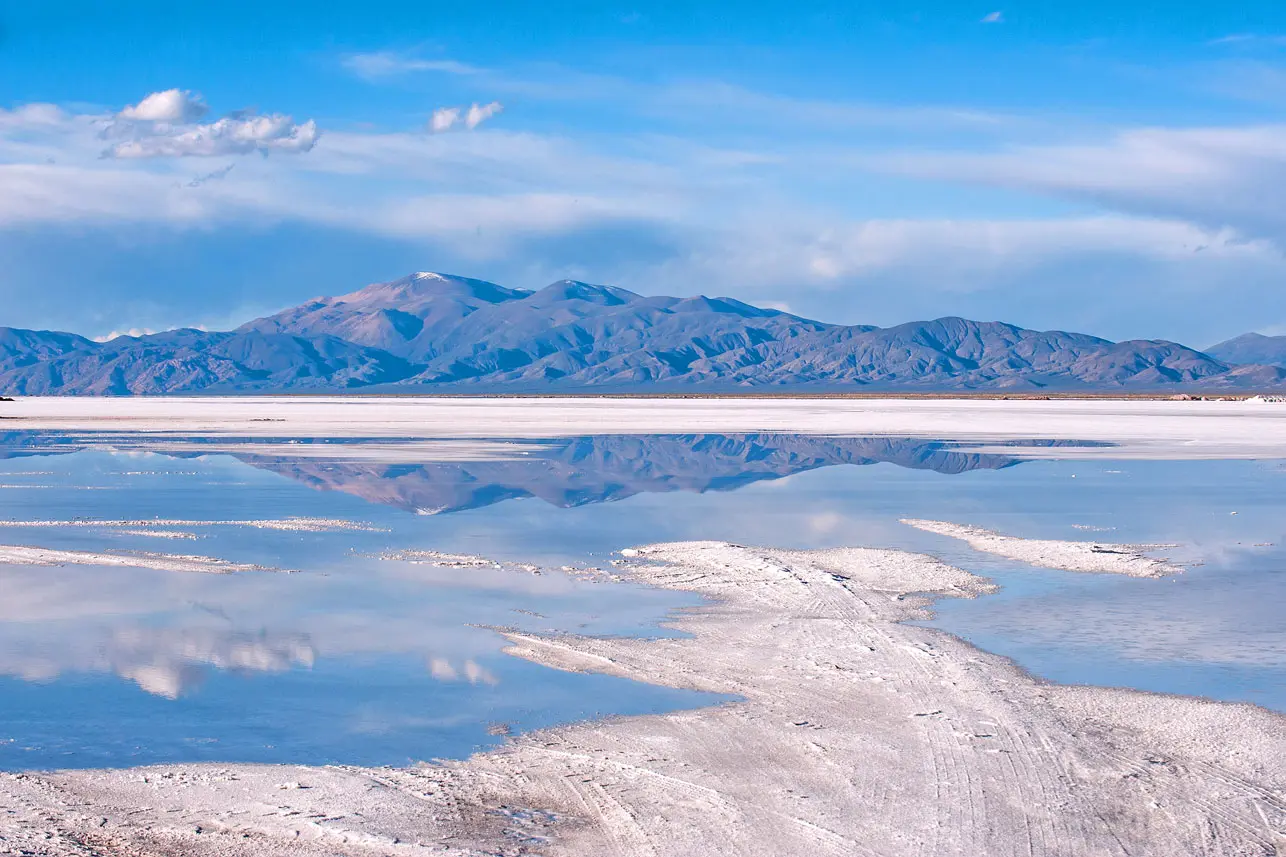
[[431, 332], [1251, 348]]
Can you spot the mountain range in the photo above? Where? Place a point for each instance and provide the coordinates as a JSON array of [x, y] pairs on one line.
[[431, 332]]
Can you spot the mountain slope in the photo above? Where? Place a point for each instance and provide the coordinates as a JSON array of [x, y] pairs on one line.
[[1251, 348], [185, 361], [429, 332], [406, 317]]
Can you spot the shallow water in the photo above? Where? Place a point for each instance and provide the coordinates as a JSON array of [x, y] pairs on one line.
[[366, 660]]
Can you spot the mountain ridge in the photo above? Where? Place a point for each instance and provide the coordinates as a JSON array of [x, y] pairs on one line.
[[431, 332], [1251, 348]]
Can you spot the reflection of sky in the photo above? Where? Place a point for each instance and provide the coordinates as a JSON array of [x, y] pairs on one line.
[[363, 660]]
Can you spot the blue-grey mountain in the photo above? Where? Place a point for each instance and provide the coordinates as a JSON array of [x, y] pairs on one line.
[[437, 333], [1252, 348]]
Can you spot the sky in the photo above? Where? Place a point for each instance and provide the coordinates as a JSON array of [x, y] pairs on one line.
[[1116, 168]]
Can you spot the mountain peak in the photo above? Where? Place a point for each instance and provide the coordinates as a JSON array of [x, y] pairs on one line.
[[575, 290], [429, 285]]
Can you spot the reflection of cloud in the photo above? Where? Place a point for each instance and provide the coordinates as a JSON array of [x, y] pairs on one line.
[[441, 669], [166, 661], [163, 631], [824, 523], [162, 661], [1208, 621], [470, 671], [167, 680]]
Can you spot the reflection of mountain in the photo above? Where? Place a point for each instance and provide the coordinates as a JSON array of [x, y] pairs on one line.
[[564, 472], [584, 470]]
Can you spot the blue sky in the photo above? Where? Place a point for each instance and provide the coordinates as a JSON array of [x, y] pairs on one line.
[[1117, 168]]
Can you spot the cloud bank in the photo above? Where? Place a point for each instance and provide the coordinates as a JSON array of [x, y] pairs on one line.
[[1176, 212]]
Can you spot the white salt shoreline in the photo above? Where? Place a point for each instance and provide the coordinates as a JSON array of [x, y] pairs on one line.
[[1138, 429], [38, 556], [296, 525], [1097, 557], [855, 734]]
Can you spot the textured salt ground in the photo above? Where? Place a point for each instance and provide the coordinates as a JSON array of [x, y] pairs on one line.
[[1101, 557], [856, 735]]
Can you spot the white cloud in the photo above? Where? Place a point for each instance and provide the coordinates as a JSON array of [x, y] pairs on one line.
[[382, 64], [479, 114], [231, 135], [444, 118], [993, 18], [171, 105]]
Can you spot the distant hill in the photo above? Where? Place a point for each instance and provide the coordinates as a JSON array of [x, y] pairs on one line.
[[1252, 348], [432, 332]]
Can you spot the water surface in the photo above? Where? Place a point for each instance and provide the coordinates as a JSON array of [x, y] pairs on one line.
[[365, 660]]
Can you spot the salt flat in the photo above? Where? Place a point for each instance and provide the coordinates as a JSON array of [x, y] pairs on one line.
[[852, 732], [855, 733], [1139, 429]]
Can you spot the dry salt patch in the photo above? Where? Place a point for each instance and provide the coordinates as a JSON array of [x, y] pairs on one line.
[[160, 534], [26, 555], [1100, 557], [455, 560], [439, 559], [444, 560]]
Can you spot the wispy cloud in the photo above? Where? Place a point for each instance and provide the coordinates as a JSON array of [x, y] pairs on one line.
[[384, 64], [1249, 39], [993, 18], [1216, 177], [721, 102], [214, 175]]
